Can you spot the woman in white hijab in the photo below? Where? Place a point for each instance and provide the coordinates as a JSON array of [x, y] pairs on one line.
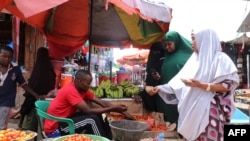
[[204, 88]]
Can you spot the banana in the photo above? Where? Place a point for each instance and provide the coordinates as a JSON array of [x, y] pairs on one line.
[[127, 91], [93, 89], [105, 84], [125, 83], [99, 92], [131, 90], [113, 90], [116, 95], [136, 90], [120, 91], [108, 93]]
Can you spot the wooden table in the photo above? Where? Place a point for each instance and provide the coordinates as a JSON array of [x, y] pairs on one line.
[[133, 107]]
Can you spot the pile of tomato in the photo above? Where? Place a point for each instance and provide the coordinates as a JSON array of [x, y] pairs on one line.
[[77, 137], [17, 135], [115, 116], [159, 128], [145, 118]]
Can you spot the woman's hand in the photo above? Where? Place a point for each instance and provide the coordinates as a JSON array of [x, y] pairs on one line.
[[151, 90]]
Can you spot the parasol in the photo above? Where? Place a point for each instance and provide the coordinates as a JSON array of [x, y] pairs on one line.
[[67, 26], [135, 58], [132, 56], [131, 62]]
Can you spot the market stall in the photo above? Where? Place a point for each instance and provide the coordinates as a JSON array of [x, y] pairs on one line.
[[238, 50], [112, 24]]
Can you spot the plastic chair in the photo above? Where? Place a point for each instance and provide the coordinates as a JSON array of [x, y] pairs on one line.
[[41, 109]]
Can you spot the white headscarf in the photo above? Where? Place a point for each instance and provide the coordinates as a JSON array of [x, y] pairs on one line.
[[209, 65]]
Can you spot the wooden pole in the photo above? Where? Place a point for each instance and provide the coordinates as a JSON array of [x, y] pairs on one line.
[[110, 70], [90, 34]]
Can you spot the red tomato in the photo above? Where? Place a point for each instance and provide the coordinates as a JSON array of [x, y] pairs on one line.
[[77, 137]]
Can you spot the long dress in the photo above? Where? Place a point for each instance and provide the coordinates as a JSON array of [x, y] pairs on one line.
[[155, 60], [172, 63], [220, 107], [42, 80]]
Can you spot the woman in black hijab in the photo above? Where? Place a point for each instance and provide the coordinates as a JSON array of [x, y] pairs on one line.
[[42, 80], [155, 59]]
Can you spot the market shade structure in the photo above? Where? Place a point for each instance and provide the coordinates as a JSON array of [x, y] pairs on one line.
[[244, 39], [245, 25], [69, 25]]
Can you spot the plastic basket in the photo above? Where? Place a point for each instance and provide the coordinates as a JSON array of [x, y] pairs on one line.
[[127, 130], [94, 137]]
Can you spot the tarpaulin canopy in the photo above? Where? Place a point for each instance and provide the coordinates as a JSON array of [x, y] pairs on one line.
[[245, 25], [244, 39], [68, 24]]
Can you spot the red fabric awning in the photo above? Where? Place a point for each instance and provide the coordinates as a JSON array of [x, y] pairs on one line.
[[67, 26]]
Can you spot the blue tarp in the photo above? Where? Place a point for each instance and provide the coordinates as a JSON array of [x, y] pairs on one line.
[[240, 117]]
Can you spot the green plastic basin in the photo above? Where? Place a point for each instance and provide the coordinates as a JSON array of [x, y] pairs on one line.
[[94, 137]]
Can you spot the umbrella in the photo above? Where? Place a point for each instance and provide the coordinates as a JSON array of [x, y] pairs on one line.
[[69, 25], [131, 62], [138, 58]]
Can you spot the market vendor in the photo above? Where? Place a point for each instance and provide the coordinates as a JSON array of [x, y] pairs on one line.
[[70, 102]]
